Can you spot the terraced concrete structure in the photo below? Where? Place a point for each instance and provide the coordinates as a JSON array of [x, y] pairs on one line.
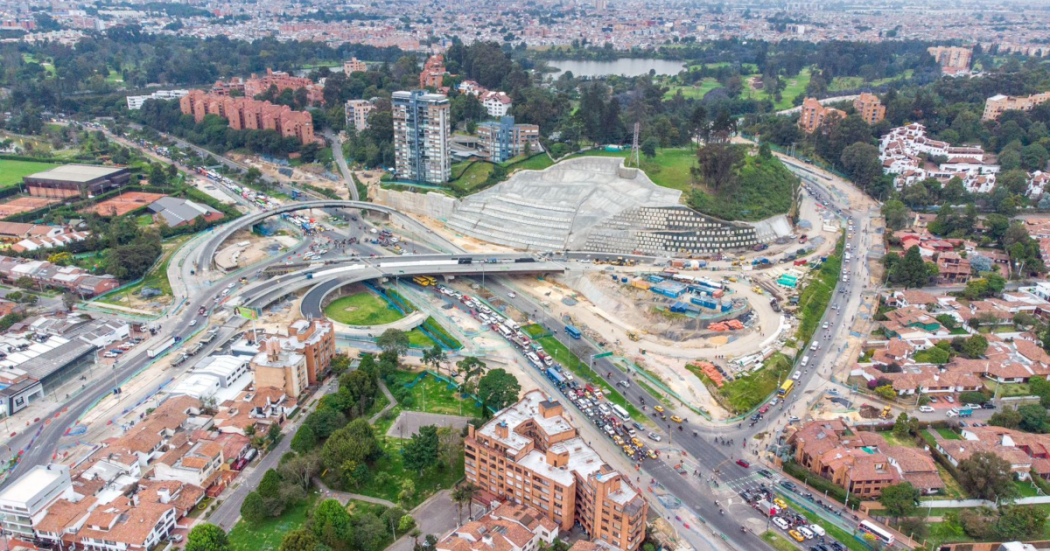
[[596, 204]]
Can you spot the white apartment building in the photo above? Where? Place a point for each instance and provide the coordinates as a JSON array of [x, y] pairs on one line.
[[135, 102], [25, 502]]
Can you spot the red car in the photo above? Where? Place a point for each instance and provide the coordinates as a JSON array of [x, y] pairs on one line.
[[743, 463], [764, 409]]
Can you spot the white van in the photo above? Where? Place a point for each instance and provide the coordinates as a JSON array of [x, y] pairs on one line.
[[806, 532], [926, 409], [604, 409], [814, 345], [805, 361], [816, 528]]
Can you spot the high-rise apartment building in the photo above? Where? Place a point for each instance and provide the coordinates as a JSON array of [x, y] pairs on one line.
[[422, 132], [952, 59], [503, 140], [357, 111], [530, 454], [814, 114], [869, 108], [354, 65], [996, 105]]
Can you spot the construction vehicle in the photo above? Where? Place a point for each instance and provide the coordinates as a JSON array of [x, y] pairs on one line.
[[886, 412], [633, 336]]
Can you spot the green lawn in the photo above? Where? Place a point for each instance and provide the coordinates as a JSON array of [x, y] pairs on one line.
[[694, 91], [536, 162], [388, 473], [747, 392], [436, 328], [948, 434], [566, 358], [467, 176], [1008, 390], [840, 84], [363, 308], [145, 219], [419, 339], [433, 396], [894, 440], [796, 86], [157, 278], [779, 543], [11, 172], [267, 535], [669, 168]]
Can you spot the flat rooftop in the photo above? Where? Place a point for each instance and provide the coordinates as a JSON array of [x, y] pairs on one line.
[[77, 173], [27, 486]]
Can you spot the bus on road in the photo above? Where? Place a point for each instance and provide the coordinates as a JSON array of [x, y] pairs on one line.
[[573, 332], [618, 410], [868, 528], [786, 388]]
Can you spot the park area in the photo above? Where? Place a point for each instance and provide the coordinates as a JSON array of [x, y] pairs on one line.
[[363, 308], [12, 171]]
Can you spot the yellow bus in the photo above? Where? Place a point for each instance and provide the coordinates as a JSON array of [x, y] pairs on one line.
[[786, 388], [424, 281]]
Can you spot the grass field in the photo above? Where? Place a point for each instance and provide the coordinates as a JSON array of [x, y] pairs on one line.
[[157, 278], [669, 168], [840, 84], [466, 178], [796, 86], [433, 396], [419, 339], [267, 535], [779, 543], [536, 162], [694, 91], [362, 309], [743, 394], [11, 172]]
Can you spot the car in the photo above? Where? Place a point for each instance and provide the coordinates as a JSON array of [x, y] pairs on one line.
[[625, 383], [780, 503], [798, 537], [193, 322], [658, 409], [676, 419], [743, 463], [926, 409], [638, 425], [933, 399], [818, 530], [651, 453], [655, 437], [781, 523], [949, 399], [176, 538], [806, 533], [987, 405], [512, 294], [764, 409], [825, 326]]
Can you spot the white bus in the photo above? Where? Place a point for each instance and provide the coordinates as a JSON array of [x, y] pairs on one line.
[[618, 409], [868, 528]]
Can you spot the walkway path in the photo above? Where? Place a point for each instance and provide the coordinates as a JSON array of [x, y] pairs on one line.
[[389, 406], [407, 323], [340, 161], [347, 496]]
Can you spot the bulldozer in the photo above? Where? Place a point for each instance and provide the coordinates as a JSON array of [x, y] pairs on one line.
[[633, 336], [886, 412]]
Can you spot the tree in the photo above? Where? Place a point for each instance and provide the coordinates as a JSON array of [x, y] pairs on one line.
[[1034, 418], [498, 389], [861, 162], [901, 426], [300, 540], [254, 508], [355, 442], [274, 432], [464, 493], [985, 475], [332, 524], [301, 469], [421, 452], [886, 392], [252, 176], [910, 271], [470, 368], [69, 300], [1019, 523], [270, 485], [900, 500], [407, 493], [896, 214], [207, 537], [1007, 417], [393, 341], [435, 357], [340, 364], [975, 346], [305, 440], [649, 146]]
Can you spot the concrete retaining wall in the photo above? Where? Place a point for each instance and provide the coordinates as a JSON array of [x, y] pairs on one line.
[[430, 204]]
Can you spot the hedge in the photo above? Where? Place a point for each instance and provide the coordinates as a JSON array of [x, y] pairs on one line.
[[820, 484]]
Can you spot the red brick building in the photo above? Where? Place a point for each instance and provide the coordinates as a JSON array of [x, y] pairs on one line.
[[249, 114]]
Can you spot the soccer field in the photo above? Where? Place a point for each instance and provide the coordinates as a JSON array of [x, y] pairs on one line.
[[11, 172]]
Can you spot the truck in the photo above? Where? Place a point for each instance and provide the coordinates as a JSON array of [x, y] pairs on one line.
[[196, 348], [210, 336], [160, 348], [760, 247]]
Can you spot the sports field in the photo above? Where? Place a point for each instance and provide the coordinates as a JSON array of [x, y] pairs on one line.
[[11, 172]]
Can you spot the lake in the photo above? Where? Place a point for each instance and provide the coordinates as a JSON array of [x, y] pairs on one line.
[[626, 66]]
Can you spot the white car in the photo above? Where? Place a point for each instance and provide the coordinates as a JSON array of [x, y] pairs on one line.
[[817, 529], [926, 409], [193, 322], [512, 294], [781, 523]]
